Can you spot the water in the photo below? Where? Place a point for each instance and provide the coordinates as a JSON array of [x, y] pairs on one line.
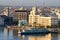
[[12, 35]]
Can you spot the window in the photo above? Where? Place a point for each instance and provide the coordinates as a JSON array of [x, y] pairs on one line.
[[56, 11], [30, 16], [59, 12]]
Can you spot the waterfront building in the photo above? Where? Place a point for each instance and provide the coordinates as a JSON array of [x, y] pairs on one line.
[[8, 11], [44, 18], [5, 12], [57, 11], [21, 16], [52, 10]]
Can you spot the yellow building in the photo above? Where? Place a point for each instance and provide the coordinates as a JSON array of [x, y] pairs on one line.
[[5, 12], [21, 16], [35, 19], [57, 11]]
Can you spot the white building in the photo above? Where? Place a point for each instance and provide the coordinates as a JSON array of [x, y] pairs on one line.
[[5, 12], [57, 11], [41, 19]]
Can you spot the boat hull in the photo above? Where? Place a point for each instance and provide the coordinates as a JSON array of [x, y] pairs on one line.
[[29, 33]]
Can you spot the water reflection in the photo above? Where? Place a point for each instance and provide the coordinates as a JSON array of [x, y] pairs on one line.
[[45, 37], [6, 31], [39, 37], [54, 36], [6, 34]]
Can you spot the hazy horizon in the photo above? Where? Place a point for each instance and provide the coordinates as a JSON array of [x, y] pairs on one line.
[[30, 2]]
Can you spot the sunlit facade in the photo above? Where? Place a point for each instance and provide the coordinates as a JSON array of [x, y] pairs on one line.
[[5, 12], [57, 11], [21, 16], [38, 20]]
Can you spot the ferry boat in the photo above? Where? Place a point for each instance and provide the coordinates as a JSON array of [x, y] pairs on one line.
[[34, 31]]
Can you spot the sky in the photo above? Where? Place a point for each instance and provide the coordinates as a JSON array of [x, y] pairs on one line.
[[30, 2]]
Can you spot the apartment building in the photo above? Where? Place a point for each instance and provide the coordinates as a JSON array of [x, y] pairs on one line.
[[37, 19], [21, 16]]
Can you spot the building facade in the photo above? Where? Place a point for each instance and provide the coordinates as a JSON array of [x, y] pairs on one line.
[[21, 16], [35, 19], [57, 11], [5, 12]]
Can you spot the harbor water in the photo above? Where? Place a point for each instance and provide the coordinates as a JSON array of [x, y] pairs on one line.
[[13, 35]]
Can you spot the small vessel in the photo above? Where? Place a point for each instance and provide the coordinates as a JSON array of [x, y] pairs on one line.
[[34, 31]]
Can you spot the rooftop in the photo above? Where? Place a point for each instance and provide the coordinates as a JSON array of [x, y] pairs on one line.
[[22, 11]]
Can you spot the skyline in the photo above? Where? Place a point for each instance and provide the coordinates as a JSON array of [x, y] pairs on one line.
[[30, 2]]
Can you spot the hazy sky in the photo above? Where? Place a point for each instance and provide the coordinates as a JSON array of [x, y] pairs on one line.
[[30, 2]]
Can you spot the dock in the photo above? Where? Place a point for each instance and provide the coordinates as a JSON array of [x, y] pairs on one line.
[[14, 28], [52, 30]]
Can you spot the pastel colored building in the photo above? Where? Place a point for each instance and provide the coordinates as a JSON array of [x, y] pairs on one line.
[[21, 16], [40, 19]]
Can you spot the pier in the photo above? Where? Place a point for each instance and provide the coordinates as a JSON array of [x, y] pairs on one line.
[[52, 30], [14, 28]]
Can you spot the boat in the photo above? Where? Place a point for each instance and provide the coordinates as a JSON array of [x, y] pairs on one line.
[[34, 31]]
